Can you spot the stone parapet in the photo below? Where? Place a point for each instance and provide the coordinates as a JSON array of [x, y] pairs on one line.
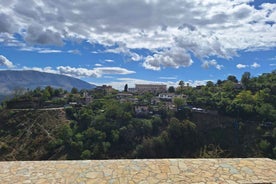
[[238, 170]]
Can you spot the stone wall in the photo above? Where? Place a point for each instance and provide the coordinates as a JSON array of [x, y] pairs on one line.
[[249, 170]]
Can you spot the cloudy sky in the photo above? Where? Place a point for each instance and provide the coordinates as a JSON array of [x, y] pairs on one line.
[[139, 41]]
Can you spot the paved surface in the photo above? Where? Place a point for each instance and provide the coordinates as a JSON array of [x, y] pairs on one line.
[[41, 109], [140, 171]]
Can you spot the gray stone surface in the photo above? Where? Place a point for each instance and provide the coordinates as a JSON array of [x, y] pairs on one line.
[[249, 170]]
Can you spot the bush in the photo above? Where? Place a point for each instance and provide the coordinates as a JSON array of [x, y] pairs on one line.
[[86, 154]]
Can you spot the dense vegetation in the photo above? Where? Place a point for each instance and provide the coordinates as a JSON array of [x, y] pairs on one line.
[[238, 119]]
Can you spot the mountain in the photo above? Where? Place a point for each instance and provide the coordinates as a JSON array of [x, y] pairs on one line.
[[28, 79]]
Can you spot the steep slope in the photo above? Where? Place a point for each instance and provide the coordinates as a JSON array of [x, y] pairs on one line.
[[26, 134], [11, 80]]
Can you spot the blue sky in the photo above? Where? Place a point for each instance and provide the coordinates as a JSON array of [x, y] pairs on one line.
[[139, 41]]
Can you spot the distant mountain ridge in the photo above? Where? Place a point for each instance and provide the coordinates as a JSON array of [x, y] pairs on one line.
[[29, 79]]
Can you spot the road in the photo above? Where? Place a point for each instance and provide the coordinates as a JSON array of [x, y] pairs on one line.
[[42, 109]]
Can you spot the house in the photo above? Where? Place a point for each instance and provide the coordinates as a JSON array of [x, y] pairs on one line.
[[152, 88], [155, 101], [132, 90], [166, 96], [170, 106], [106, 89], [170, 96], [86, 98], [141, 109], [126, 97]]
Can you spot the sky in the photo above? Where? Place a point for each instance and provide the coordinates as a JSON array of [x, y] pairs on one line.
[[139, 41]]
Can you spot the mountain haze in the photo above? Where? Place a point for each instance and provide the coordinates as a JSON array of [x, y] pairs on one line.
[[28, 79]]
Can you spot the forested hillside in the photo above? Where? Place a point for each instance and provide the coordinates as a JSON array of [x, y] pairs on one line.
[[229, 118], [25, 134]]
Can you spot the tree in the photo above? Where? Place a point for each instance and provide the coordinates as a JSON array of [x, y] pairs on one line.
[[219, 82], [58, 92], [264, 145], [245, 97], [126, 88], [181, 83], [74, 90], [86, 154], [232, 78], [181, 87], [210, 84], [46, 95], [50, 90], [65, 133], [179, 102], [245, 79], [171, 89]]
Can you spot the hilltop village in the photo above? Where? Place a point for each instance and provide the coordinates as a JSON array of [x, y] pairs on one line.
[[229, 118], [146, 98]]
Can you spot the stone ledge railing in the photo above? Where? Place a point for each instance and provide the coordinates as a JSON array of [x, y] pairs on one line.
[[249, 170]]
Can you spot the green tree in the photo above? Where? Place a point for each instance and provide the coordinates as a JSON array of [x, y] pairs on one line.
[[50, 90], [126, 88], [171, 89], [232, 78], [210, 84], [74, 90], [219, 82], [245, 79], [65, 133], [181, 84], [264, 145], [46, 95], [115, 135], [179, 102], [86, 154]]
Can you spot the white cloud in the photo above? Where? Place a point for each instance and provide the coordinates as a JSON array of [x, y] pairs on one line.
[[77, 72], [96, 72], [39, 50], [255, 65], [273, 64], [113, 70], [122, 49], [83, 72], [175, 57], [272, 59], [47, 69], [98, 64], [109, 60], [5, 62], [76, 51], [202, 27], [214, 63], [48, 51], [240, 66], [195, 83]]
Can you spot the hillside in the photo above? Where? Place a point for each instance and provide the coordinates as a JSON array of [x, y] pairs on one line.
[[11, 80], [25, 135], [219, 120], [46, 134]]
